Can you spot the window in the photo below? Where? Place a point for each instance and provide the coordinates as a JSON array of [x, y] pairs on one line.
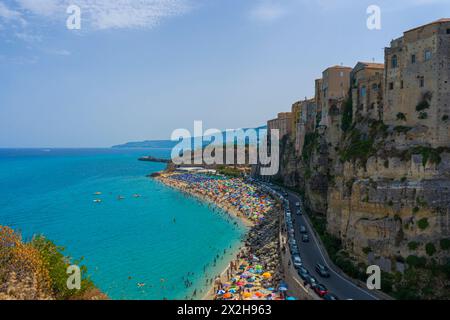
[[401, 85], [374, 87], [363, 91], [427, 55], [394, 62], [422, 82], [448, 31], [391, 86], [413, 58], [341, 74]]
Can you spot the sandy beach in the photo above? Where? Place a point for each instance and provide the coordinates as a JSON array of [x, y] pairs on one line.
[[255, 266]]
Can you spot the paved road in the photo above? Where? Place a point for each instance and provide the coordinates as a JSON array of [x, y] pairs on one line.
[[312, 253]]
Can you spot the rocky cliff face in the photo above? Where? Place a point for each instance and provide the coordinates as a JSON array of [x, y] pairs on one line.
[[385, 194]]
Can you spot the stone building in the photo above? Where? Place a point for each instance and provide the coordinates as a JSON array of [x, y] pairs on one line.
[[367, 90], [417, 90], [318, 96], [283, 123], [306, 119], [335, 87]]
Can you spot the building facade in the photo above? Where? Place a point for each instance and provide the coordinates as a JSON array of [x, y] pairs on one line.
[[367, 80], [282, 123], [335, 87], [417, 75]]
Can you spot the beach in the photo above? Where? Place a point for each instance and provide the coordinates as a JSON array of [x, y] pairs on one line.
[[254, 271]]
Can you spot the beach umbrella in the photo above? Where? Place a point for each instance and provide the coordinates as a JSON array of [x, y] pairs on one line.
[[282, 289], [290, 298], [259, 294], [249, 285], [232, 291], [247, 295], [267, 275], [227, 295], [220, 292]]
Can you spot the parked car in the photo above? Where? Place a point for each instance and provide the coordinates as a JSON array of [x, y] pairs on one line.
[[292, 242], [330, 296], [305, 238], [311, 281], [303, 273], [294, 249], [297, 261], [322, 270], [299, 212], [297, 204], [303, 229], [321, 290]]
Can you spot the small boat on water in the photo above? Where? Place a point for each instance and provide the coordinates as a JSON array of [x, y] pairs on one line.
[[140, 285], [97, 194], [120, 198], [97, 201], [137, 195]]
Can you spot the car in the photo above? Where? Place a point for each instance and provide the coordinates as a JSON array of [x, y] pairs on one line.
[[311, 281], [292, 242], [305, 238], [303, 229], [299, 212], [297, 261], [297, 204], [330, 296], [294, 250], [322, 270], [321, 290], [302, 272]]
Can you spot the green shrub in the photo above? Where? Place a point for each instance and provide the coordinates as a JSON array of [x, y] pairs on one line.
[[413, 245], [402, 129], [347, 115], [423, 223], [445, 244], [430, 249], [401, 116], [416, 210], [423, 115], [423, 105], [416, 262], [367, 250], [57, 266], [444, 117]]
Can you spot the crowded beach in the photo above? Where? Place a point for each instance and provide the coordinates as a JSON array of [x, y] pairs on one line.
[[254, 273]]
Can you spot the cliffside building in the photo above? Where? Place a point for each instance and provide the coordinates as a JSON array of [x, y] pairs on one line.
[[283, 123], [367, 80], [335, 87], [417, 75]]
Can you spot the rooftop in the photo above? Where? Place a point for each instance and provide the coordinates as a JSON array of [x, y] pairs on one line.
[[443, 20]]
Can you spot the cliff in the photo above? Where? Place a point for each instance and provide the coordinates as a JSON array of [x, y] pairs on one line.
[[383, 197], [36, 270]]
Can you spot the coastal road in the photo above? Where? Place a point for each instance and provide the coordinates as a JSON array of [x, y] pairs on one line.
[[312, 253]]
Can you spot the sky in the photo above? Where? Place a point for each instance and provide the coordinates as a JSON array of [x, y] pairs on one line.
[[139, 69]]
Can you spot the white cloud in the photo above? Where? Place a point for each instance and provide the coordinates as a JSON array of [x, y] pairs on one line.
[[110, 14], [267, 11], [10, 15]]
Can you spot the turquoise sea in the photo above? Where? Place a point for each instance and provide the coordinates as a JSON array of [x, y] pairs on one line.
[[161, 238]]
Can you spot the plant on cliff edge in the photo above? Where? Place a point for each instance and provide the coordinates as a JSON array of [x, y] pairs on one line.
[[423, 223], [413, 245], [430, 249], [445, 244], [347, 115]]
